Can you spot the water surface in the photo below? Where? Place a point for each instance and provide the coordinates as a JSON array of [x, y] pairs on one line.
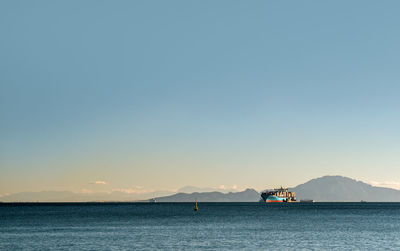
[[222, 226]]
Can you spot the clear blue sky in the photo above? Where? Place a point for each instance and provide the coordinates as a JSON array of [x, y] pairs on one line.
[[162, 94]]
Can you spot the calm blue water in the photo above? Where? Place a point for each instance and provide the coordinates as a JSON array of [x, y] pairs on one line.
[[250, 226]]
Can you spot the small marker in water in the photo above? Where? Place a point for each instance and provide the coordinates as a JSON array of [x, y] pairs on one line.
[[195, 206]]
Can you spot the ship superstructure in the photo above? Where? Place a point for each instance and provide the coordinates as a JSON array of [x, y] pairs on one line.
[[278, 195]]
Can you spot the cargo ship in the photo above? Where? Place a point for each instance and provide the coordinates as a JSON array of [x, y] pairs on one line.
[[278, 195]]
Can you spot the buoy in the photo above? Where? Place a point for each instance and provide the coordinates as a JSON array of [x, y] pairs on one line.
[[196, 208]]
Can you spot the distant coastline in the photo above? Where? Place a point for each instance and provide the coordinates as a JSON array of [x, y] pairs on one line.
[[323, 189]]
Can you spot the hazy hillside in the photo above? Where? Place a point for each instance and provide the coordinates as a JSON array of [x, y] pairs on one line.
[[327, 188], [66, 196], [338, 188], [193, 189], [249, 195]]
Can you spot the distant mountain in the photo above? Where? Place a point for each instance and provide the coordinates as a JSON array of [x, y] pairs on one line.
[[339, 188], [324, 189], [193, 189], [66, 196], [248, 195]]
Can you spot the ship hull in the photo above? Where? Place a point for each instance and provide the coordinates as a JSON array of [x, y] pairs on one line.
[[275, 199]]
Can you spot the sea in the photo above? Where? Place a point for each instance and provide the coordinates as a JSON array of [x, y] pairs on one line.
[[215, 226]]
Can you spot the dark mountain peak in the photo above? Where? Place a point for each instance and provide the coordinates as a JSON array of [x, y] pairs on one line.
[[339, 188], [332, 178], [335, 179]]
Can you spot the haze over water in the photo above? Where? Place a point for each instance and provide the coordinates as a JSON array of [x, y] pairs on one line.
[[216, 226]]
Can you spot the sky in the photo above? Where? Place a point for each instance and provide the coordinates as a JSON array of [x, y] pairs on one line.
[[156, 95]]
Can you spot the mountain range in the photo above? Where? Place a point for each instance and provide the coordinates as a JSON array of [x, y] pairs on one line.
[[248, 195], [323, 189]]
